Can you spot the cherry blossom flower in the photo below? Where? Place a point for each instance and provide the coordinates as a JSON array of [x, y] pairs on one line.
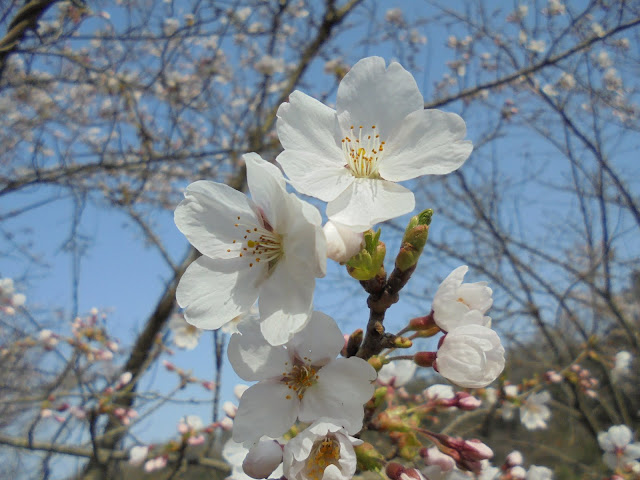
[[342, 242], [302, 379], [271, 246], [470, 356], [456, 303], [324, 451], [185, 335], [397, 373], [379, 134], [619, 451], [534, 412], [9, 300], [138, 454]]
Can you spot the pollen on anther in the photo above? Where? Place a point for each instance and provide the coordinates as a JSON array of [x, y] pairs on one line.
[[251, 265], [235, 225], [228, 249], [288, 397], [373, 126]]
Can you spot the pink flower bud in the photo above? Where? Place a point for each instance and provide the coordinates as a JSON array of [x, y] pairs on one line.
[[230, 409], [553, 377], [226, 424], [476, 450], [196, 440], [433, 456], [467, 402]]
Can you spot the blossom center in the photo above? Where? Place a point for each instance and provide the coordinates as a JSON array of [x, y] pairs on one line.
[[257, 243], [300, 377], [363, 151], [324, 452]]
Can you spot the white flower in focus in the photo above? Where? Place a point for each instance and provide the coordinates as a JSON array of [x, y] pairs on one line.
[[251, 316], [378, 135], [397, 373], [138, 454], [534, 412], [324, 451], [271, 246], [302, 379], [262, 459], [536, 472], [456, 303], [185, 335], [619, 451], [470, 356], [342, 242]]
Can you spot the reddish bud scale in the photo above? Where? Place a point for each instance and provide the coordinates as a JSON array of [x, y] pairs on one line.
[[425, 359], [394, 470]]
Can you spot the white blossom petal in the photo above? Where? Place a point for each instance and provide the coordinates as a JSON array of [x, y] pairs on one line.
[[427, 142], [373, 94], [327, 396], [213, 292], [320, 341], [265, 410], [252, 357], [208, 214], [369, 201]]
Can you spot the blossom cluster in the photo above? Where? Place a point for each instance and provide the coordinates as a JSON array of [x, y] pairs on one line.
[[272, 247]]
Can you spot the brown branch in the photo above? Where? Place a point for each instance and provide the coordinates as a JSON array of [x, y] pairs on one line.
[[26, 18]]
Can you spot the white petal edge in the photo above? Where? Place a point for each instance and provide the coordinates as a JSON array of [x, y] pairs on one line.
[[368, 202], [427, 142]]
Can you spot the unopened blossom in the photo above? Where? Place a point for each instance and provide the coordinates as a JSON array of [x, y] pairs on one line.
[[239, 390], [622, 365], [619, 451], [342, 242], [537, 472], [262, 459], [397, 373], [378, 135], [138, 454], [48, 338], [534, 412], [433, 456], [513, 459], [300, 380], [185, 335], [323, 451], [235, 454], [518, 472], [470, 356], [230, 409], [271, 246], [456, 303]]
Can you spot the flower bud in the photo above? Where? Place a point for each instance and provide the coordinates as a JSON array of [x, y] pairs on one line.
[[342, 242], [368, 457], [369, 261], [414, 240], [470, 356], [467, 402], [402, 342], [394, 470], [424, 359], [353, 343], [263, 458], [433, 456], [513, 459]]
